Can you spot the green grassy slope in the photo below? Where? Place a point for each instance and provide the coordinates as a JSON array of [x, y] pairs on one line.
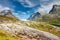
[[37, 25], [5, 18], [43, 26], [3, 34]]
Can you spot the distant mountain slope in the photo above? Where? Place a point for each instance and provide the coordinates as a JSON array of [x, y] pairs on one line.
[[55, 14], [55, 10], [7, 13], [52, 17], [33, 16]]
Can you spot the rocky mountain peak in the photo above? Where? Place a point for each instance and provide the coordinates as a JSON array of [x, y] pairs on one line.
[[33, 16], [7, 13], [55, 8]]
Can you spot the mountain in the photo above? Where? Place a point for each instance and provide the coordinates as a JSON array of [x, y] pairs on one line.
[[55, 10], [7, 13], [52, 17], [12, 28], [35, 15], [22, 30]]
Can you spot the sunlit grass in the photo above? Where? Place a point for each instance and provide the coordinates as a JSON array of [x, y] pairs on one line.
[[9, 19], [6, 36], [44, 27]]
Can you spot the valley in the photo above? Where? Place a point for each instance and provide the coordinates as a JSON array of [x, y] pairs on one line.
[[38, 27]]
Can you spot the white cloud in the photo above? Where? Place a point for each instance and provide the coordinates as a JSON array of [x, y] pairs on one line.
[[4, 8], [47, 8], [24, 19], [32, 3], [46, 5], [56, 2], [26, 3], [29, 3], [23, 13]]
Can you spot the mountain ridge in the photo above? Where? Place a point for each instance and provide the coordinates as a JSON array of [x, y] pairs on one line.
[[55, 9], [33, 16], [7, 13]]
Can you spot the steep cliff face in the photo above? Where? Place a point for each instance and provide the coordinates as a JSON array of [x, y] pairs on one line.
[[55, 10], [33, 16]]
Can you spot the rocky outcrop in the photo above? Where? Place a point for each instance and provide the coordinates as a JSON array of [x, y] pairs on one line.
[[55, 10], [7, 13], [33, 16]]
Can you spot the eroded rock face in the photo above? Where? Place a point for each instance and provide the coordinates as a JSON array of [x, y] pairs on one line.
[[26, 32]]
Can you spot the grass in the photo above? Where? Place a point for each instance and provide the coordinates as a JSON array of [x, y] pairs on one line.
[[37, 25], [9, 19], [3, 34], [6, 36], [44, 27]]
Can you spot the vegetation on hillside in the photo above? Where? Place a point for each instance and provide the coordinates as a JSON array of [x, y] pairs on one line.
[[6, 36], [43, 26], [53, 17], [8, 19]]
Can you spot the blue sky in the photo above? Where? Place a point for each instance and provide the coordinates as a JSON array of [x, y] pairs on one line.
[[24, 8]]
